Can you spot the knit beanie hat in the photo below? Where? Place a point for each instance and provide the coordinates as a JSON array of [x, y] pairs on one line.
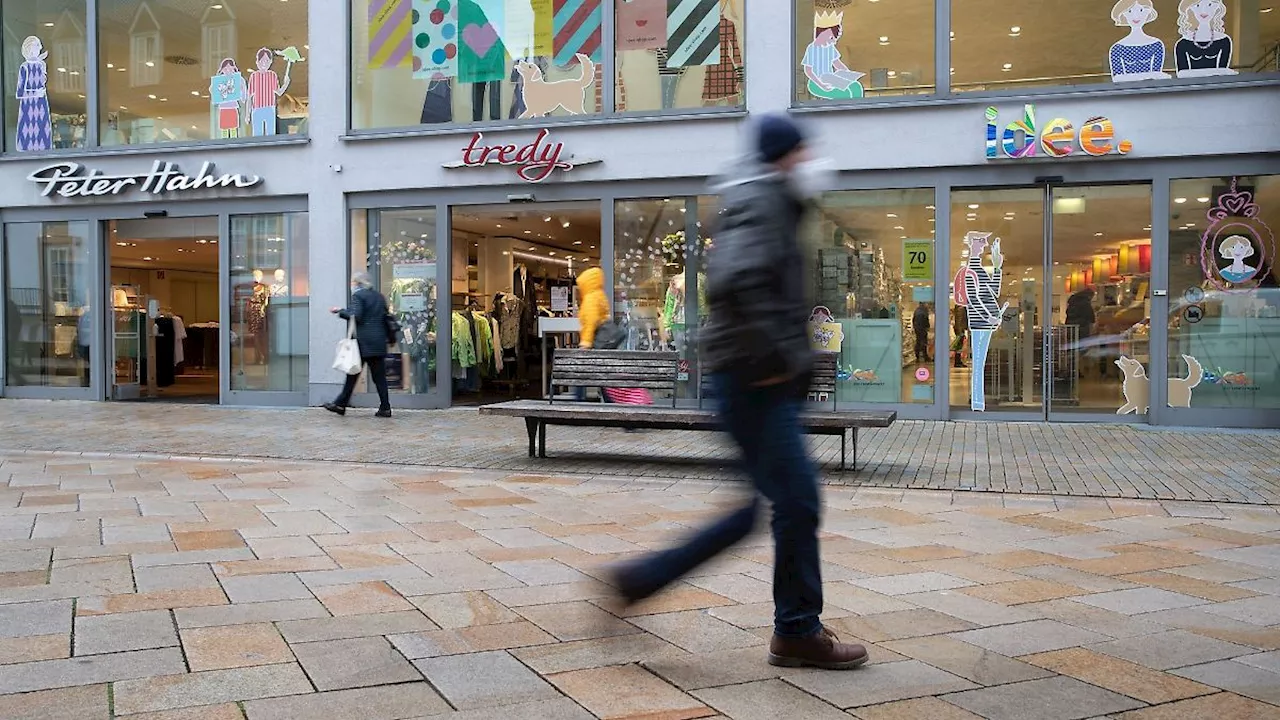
[[776, 136]]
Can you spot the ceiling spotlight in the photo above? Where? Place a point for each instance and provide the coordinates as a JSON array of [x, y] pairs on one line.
[[1179, 200], [884, 39], [974, 206], [1007, 67], [1202, 199], [898, 227], [891, 215], [1097, 234]]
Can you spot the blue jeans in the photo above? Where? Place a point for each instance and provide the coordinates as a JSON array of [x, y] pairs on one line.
[[979, 342], [263, 121], [764, 424]]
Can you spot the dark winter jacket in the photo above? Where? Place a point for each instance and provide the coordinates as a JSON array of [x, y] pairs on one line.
[[369, 309], [1080, 312], [920, 320], [755, 281]]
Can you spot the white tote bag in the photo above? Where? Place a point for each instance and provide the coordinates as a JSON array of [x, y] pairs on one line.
[[348, 360]]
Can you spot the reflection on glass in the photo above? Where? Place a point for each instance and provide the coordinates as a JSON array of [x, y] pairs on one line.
[[400, 253], [652, 276], [1224, 299], [270, 300], [697, 63], [873, 287], [468, 61], [173, 70], [997, 266], [48, 318], [1006, 47], [1100, 347], [44, 69], [846, 51]]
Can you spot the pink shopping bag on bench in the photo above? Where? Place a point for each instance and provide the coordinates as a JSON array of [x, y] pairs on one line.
[[629, 396]]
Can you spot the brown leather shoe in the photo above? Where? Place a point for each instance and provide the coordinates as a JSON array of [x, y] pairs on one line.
[[821, 650]]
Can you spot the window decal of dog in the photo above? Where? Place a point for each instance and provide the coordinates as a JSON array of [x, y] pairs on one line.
[[541, 98], [1137, 386]]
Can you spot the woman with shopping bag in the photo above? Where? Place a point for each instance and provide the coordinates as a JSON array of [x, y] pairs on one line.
[[371, 329]]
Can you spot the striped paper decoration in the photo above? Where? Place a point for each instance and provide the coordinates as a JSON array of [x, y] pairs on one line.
[[693, 32], [576, 29], [389, 30]]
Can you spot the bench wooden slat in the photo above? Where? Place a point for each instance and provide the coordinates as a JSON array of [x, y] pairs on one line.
[[587, 411], [618, 354], [612, 382]]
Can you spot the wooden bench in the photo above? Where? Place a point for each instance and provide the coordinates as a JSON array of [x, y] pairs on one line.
[[659, 371]]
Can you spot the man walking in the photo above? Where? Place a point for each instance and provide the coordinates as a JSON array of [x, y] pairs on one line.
[[756, 345]]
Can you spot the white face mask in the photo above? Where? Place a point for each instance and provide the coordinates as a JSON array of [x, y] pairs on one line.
[[811, 178]]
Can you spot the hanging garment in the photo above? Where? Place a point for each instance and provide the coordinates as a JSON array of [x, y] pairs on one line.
[[463, 347], [484, 340], [179, 335], [497, 350], [509, 322]]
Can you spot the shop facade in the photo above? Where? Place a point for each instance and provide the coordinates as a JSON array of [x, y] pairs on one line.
[[1124, 190]]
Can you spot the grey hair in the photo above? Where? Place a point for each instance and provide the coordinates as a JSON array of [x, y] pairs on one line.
[[362, 279]]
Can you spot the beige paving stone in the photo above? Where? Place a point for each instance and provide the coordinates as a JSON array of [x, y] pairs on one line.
[[965, 607], [558, 709], [919, 553], [174, 577], [1104, 622], [1015, 559], [767, 700], [34, 648], [576, 621], [238, 568], [969, 569], [1057, 697], [35, 618], [23, 579], [1233, 537], [861, 601], [628, 691], [121, 632], [361, 598], [971, 662], [359, 662], [874, 684], [1052, 524], [1023, 591], [598, 652], [457, 610], [390, 702], [1029, 637], [88, 702], [1173, 649], [275, 611], [895, 625], [871, 564], [544, 594], [480, 680], [208, 540], [284, 547], [1120, 676], [918, 709], [170, 692], [157, 600], [477, 638], [1127, 563], [1222, 706], [1218, 627], [697, 632], [354, 626], [232, 646], [222, 711], [365, 556], [1238, 677], [674, 599]]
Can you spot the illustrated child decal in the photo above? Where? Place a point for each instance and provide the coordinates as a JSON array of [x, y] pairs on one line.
[[1236, 248], [226, 95], [1137, 56], [829, 77], [265, 89], [978, 290], [1205, 47], [35, 126]]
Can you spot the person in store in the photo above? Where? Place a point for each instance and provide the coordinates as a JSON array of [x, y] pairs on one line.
[[593, 310], [960, 326], [1080, 313], [920, 325], [368, 309], [756, 344]]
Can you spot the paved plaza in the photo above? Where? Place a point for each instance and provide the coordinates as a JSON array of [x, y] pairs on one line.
[[1120, 461], [157, 588]]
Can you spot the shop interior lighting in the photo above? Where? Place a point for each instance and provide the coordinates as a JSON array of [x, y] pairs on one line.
[[1015, 31], [1202, 199], [1179, 200]]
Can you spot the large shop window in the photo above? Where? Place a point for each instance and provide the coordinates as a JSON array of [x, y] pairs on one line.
[[847, 50], [1224, 299], [45, 45], [439, 62], [871, 278], [175, 70], [398, 249], [1001, 46], [48, 319], [659, 276], [270, 301]]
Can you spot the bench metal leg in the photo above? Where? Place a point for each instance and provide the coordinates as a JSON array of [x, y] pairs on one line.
[[531, 427], [542, 439], [843, 445], [855, 450]]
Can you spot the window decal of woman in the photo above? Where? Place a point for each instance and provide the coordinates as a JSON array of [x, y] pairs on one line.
[[228, 93], [1236, 248], [1205, 47], [35, 125], [829, 77], [1137, 56]]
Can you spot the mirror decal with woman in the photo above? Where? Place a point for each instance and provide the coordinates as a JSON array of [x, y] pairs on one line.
[[1238, 247]]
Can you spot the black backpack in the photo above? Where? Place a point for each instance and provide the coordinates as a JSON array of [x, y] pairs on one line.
[[609, 336]]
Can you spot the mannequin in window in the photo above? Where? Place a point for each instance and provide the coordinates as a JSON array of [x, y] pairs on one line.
[[279, 288], [256, 315]]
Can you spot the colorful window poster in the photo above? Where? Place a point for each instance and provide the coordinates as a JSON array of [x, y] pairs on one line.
[[528, 28], [435, 39], [829, 77], [641, 24], [576, 30], [482, 57], [870, 368], [917, 260], [693, 32], [389, 29]]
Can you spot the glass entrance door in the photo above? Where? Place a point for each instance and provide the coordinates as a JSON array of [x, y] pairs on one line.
[[1050, 301]]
